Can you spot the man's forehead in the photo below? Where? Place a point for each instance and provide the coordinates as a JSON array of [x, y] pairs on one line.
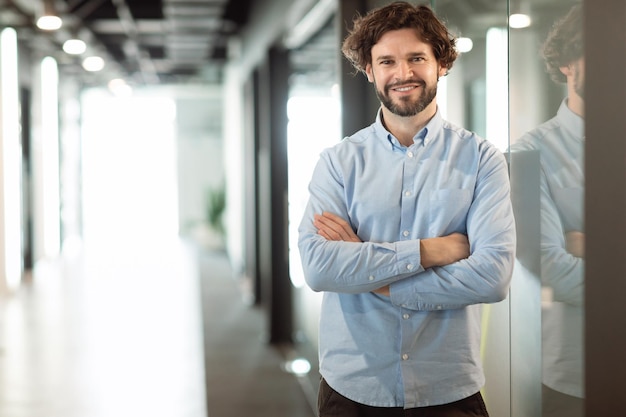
[[406, 42]]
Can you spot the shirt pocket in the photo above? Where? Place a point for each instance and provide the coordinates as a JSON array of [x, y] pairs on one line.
[[448, 211]]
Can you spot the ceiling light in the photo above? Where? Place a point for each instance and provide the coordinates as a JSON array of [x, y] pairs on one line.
[[49, 22], [74, 46], [464, 44], [93, 63], [519, 21]]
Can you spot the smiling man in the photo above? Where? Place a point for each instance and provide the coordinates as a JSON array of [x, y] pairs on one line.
[[416, 86], [408, 230]]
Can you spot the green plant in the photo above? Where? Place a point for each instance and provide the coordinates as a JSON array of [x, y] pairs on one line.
[[216, 204]]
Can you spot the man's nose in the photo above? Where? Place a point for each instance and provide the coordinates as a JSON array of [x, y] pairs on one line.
[[406, 71]]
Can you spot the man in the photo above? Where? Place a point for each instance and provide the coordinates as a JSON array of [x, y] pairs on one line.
[[560, 142], [409, 228]]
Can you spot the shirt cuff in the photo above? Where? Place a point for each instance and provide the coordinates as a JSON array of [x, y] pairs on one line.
[[409, 259]]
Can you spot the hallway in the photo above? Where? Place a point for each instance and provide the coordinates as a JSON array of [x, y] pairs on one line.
[[131, 319], [89, 337]]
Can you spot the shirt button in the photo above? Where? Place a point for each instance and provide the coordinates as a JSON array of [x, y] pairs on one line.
[[405, 357], [409, 267], [407, 193], [405, 233], [405, 316], [371, 278], [410, 154], [439, 307]]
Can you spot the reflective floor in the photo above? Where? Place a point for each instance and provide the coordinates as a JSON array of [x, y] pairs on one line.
[[88, 337], [245, 375], [121, 333]]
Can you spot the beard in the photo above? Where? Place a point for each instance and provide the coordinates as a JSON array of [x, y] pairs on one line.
[[407, 106]]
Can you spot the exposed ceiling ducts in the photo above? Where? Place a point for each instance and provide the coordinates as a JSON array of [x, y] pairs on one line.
[[148, 41]]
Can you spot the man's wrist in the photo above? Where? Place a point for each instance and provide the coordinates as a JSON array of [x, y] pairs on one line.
[[425, 254]]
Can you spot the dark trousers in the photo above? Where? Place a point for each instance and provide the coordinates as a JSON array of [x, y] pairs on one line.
[[332, 404]]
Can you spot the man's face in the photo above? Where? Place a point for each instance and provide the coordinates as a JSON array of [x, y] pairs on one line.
[[578, 77], [405, 72], [575, 74]]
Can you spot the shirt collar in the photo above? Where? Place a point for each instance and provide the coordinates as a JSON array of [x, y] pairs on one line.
[[570, 121], [425, 135]]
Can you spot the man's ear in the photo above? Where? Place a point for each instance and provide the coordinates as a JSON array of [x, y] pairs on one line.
[[369, 73], [442, 71], [566, 70]]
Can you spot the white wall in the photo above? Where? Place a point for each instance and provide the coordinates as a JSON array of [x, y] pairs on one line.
[[200, 152]]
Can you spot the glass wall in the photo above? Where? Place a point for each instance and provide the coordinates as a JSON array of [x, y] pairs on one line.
[[519, 83], [546, 72]]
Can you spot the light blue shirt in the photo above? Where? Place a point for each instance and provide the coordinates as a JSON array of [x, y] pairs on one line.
[[420, 346], [560, 142]]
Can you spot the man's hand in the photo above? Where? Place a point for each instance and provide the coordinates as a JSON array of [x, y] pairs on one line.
[[575, 243], [333, 227], [444, 250], [383, 291]]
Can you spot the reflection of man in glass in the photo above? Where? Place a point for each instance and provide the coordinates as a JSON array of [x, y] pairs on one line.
[[560, 142]]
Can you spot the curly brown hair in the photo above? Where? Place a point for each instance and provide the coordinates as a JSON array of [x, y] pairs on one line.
[[368, 29], [564, 43]]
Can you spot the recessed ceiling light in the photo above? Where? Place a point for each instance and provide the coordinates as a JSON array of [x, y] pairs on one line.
[[93, 63], [519, 21], [49, 22], [74, 46], [464, 44]]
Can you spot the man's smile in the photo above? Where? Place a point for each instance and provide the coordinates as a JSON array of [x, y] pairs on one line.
[[405, 87]]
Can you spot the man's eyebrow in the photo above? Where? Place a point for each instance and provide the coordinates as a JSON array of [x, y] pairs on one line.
[[410, 54], [417, 53]]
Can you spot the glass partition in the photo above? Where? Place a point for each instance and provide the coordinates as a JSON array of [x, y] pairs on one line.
[[546, 73], [519, 83]]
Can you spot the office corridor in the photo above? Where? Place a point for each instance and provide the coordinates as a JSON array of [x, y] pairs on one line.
[[121, 332]]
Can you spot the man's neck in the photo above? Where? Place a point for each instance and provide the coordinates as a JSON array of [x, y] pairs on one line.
[[576, 103], [405, 128]]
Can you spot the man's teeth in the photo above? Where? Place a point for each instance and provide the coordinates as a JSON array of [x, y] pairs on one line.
[[404, 88]]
